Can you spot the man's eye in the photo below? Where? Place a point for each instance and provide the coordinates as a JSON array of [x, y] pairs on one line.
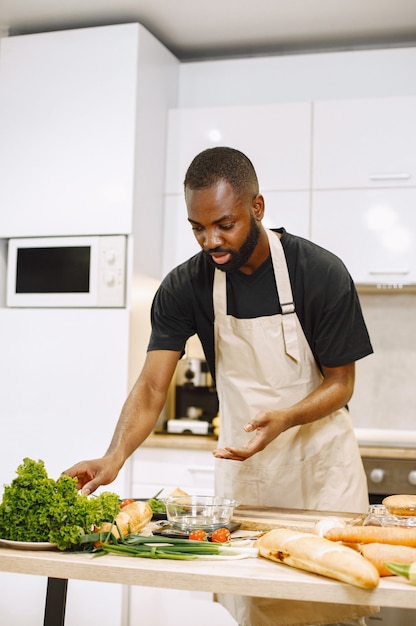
[[226, 226], [197, 229]]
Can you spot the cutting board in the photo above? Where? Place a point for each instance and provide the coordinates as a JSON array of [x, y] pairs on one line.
[[267, 518]]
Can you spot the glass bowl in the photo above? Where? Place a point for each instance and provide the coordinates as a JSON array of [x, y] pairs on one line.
[[199, 512]]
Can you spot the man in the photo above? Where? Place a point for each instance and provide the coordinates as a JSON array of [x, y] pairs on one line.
[[281, 327]]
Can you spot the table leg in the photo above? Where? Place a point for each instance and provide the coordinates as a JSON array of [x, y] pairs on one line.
[[55, 602]]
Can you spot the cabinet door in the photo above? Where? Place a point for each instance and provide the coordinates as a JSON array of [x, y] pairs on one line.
[[364, 143], [172, 607], [276, 138], [179, 243], [289, 209], [67, 127], [161, 468], [373, 231]]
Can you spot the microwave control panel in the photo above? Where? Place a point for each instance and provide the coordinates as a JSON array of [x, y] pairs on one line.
[[112, 271]]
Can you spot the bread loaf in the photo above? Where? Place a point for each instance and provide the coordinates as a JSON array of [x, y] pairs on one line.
[[401, 505], [132, 519], [177, 492], [312, 553]]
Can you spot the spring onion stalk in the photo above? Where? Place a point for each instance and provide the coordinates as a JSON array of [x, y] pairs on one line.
[[156, 505], [408, 571], [156, 547]]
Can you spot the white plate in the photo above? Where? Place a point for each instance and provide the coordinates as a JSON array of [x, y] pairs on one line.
[[27, 545]]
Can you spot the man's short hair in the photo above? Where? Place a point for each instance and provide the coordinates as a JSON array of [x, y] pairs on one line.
[[222, 163]]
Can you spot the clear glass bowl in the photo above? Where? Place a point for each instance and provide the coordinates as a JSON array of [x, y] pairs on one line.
[[199, 512]]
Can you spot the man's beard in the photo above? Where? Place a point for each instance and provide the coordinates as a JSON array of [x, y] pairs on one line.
[[241, 256]]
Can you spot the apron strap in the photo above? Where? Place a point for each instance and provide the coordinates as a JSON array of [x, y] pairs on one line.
[[284, 291]]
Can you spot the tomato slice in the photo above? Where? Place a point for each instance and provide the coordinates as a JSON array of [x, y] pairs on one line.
[[198, 535], [221, 535], [126, 502]]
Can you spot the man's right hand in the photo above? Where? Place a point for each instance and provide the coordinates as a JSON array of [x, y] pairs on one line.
[[92, 474]]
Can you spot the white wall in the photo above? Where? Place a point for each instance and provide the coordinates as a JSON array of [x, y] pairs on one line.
[[264, 80]]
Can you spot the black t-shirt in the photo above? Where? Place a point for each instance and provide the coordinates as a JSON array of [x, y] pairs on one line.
[[325, 297]]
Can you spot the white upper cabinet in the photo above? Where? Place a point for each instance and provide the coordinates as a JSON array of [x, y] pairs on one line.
[[179, 243], [364, 143], [67, 116], [372, 231], [69, 128], [289, 209], [276, 138]]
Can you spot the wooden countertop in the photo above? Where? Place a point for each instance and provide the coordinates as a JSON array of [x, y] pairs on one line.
[[195, 442], [185, 442], [252, 576]]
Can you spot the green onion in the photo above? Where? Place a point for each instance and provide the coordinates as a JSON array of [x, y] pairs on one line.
[[156, 505], [157, 547], [408, 571]]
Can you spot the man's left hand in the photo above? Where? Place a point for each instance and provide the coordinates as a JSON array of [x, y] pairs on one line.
[[267, 425]]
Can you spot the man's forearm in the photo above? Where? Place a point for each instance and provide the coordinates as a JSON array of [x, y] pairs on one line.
[[137, 420], [334, 393]]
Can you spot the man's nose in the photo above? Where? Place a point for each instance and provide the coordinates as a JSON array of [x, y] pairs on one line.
[[212, 239]]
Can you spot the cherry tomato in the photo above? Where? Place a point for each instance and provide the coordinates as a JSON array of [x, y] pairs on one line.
[[221, 535], [126, 502], [198, 535]]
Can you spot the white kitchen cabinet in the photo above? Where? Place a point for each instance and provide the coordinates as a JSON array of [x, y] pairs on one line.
[[192, 470], [373, 231], [290, 209], [3, 266], [179, 242], [276, 138], [283, 208], [64, 379], [171, 607], [364, 143], [70, 107], [161, 468]]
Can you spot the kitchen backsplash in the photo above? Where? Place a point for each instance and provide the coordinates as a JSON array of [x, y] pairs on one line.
[[385, 390]]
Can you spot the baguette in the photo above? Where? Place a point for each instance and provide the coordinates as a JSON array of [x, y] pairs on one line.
[[397, 535], [131, 519], [312, 553], [379, 553]]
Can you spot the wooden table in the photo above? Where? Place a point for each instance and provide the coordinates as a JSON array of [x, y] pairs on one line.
[[252, 576]]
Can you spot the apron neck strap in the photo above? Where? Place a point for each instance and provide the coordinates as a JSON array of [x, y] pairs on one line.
[[284, 291]]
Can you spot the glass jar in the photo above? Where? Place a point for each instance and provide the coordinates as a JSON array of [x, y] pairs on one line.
[[377, 515]]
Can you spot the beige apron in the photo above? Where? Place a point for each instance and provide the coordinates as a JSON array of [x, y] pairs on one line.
[[266, 363]]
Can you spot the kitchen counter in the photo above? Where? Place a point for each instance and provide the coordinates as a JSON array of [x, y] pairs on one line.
[[195, 442], [179, 442], [252, 576]]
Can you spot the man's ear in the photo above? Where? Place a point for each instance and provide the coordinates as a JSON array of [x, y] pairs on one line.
[[258, 207]]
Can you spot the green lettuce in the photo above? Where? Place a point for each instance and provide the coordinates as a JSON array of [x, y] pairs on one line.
[[37, 508]]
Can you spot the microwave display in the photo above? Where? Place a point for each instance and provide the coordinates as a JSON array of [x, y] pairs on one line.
[[53, 270]]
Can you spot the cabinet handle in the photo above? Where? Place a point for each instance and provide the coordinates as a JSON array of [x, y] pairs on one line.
[[201, 468], [396, 176], [390, 272]]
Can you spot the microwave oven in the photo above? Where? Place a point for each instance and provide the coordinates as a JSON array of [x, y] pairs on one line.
[[84, 271]]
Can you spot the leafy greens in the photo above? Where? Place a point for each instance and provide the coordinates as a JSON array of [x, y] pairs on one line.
[[38, 508]]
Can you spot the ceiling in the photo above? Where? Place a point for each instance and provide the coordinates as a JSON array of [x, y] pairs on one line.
[[193, 30]]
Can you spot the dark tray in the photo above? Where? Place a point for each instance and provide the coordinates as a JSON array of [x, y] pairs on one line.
[[169, 531]]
